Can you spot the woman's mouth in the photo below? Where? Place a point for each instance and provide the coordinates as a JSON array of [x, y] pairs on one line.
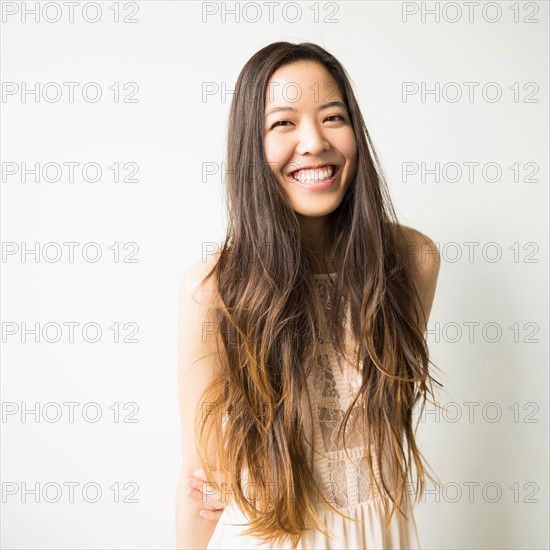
[[314, 175], [315, 179]]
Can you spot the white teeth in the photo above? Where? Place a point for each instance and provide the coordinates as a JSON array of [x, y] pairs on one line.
[[313, 175]]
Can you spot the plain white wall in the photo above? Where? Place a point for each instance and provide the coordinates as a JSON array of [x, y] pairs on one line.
[[171, 132]]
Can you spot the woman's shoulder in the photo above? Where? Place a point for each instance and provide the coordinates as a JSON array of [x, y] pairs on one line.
[[193, 281], [413, 240], [420, 250], [422, 254]]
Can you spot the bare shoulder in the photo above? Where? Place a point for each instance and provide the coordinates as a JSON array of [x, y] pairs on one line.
[[420, 250], [424, 260], [192, 285]]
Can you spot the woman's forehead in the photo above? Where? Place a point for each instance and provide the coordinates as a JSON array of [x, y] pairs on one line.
[[301, 81]]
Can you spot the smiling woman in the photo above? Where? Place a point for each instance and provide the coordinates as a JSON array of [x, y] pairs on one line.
[[309, 144], [318, 304]]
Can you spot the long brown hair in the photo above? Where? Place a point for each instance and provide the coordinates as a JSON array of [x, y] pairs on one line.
[[267, 322]]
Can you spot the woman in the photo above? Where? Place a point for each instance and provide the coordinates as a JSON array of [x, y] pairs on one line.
[[301, 342]]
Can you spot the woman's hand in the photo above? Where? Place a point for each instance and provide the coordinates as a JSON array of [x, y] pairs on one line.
[[213, 507]]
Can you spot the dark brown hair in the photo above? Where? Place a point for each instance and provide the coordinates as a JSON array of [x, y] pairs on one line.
[[268, 321]]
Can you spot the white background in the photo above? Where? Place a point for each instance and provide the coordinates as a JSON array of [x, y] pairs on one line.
[[172, 210]]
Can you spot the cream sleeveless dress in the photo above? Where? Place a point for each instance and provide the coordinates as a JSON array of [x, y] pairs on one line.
[[344, 479]]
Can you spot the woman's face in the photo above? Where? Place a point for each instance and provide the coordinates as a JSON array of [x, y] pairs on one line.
[[309, 142]]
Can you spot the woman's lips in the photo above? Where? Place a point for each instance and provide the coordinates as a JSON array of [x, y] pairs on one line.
[[319, 185], [318, 173]]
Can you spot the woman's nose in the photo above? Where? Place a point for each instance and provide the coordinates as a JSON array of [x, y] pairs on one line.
[[311, 140]]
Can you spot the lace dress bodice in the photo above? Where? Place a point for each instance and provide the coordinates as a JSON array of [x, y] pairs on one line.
[[332, 384]]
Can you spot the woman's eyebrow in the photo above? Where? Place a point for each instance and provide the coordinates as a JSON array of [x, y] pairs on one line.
[[326, 105]]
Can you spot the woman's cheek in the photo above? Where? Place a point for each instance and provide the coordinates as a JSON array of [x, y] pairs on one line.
[[277, 158], [350, 145], [271, 156]]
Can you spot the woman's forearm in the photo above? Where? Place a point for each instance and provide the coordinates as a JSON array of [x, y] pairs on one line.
[[192, 531]]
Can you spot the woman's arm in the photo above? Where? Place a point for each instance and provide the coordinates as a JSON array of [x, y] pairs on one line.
[[427, 263], [424, 259], [212, 501], [196, 365]]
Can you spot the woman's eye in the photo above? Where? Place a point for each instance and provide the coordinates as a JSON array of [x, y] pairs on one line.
[[280, 122], [332, 118], [337, 117]]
